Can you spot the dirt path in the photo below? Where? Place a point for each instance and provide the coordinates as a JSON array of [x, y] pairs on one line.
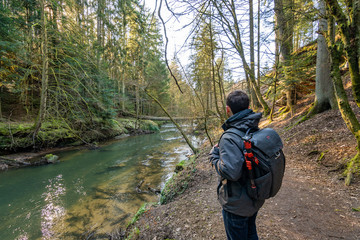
[[313, 202]]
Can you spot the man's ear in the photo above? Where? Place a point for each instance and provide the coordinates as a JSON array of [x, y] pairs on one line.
[[228, 111]]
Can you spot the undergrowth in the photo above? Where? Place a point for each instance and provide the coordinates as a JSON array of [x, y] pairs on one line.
[[16, 136], [180, 181], [175, 186]]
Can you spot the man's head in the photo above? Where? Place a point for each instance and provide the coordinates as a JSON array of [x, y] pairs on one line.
[[236, 101]]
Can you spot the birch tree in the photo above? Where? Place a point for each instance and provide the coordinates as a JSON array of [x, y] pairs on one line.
[[228, 16]]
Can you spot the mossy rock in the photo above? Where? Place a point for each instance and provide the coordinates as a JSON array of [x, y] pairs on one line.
[[149, 125], [180, 166], [51, 158]]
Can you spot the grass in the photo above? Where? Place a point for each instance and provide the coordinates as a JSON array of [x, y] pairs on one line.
[[136, 231], [356, 209], [138, 214], [179, 182]]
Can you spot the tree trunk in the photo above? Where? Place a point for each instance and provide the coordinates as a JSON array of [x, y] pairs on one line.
[[44, 78], [348, 25], [258, 46], [284, 20], [345, 109], [275, 80], [324, 89], [221, 86], [349, 29], [235, 37], [123, 94], [99, 29], [213, 73], [255, 102], [1, 116]]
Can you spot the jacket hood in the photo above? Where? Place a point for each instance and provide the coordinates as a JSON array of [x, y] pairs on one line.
[[243, 120]]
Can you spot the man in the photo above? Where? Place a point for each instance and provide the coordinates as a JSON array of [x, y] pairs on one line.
[[239, 210]]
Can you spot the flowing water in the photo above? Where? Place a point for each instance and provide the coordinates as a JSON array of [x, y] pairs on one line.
[[89, 190]]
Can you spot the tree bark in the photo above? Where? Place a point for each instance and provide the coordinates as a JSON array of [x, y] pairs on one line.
[[255, 102], [258, 46], [213, 72], [324, 89], [284, 20], [44, 78], [344, 106], [349, 29]]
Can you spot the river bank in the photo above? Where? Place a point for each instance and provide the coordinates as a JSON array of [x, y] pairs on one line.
[[17, 148], [89, 192], [312, 204]]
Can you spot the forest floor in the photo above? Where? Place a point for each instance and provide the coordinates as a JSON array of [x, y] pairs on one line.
[[313, 202]]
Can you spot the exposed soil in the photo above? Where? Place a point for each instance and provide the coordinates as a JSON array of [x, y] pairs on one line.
[[313, 202]]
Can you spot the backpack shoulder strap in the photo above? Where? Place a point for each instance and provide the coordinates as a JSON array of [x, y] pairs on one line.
[[239, 133], [236, 132]]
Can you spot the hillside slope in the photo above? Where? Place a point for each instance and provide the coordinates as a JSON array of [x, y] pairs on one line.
[[312, 204]]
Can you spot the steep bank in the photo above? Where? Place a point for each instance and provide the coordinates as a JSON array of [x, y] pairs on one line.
[[17, 147], [312, 204]]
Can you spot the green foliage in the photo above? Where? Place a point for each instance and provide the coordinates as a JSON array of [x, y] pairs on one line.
[[138, 214], [180, 166], [356, 209], [353, 167], [91, 73], [56, 132], [321, 157], [149, 126]]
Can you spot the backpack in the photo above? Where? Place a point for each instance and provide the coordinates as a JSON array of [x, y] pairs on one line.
[[264, 162]]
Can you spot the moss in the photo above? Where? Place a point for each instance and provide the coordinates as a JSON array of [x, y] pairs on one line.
[[138, 214], [356, 209], [149, 125], [179, 182], [7, 129], [353, 167], [180, 166], [126, 123], [321, 157], [134, 233], [56, 132], [117, 126]]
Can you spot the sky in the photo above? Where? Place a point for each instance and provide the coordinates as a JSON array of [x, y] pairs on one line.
[[177, 36]]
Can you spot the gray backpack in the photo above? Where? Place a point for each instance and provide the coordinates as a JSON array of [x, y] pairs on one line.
[[264, 162]]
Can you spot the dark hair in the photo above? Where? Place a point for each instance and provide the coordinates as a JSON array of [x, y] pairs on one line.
[[237, 101]]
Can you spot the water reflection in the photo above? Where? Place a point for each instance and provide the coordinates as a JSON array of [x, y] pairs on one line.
[[89, 191], [53, 211]]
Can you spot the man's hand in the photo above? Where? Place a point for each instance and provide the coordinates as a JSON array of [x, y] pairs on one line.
[[215, 149], [214, 153]]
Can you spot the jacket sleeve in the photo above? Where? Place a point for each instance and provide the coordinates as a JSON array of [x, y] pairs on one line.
[[230, 163]]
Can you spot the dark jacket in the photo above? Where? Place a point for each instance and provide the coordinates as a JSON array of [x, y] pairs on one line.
[[228, 160]]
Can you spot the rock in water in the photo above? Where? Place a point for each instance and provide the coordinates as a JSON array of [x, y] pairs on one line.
[[51, 158]]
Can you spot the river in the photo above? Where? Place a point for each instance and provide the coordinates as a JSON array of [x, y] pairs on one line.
[[89, 190]]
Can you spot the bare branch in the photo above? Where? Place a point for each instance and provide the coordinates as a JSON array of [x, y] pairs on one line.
[[166, 45]]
